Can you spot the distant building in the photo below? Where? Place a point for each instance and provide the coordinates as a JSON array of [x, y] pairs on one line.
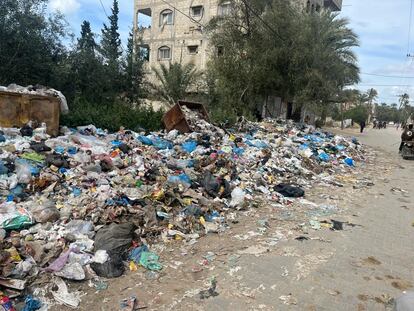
[[173, 31]]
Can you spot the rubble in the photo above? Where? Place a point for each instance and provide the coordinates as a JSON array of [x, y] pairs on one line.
[[89, 203]]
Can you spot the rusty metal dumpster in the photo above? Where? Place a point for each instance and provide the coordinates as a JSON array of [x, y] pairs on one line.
[[175, 117], [16, 109]]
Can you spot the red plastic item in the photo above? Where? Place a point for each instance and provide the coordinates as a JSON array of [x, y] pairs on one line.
[[6, 304]]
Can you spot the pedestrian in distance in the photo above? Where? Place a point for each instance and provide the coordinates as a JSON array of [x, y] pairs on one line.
[[362, 126]]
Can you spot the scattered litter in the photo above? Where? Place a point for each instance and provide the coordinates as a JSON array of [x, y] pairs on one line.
[[289, 300], [88, 202], [211, 292]]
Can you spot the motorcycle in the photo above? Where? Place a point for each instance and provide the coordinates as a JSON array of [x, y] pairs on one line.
[[407, 151]]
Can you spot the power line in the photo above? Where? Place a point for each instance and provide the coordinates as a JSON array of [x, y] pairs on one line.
[[386, 76], [103, 7], [262, 20], [107, 16], [186, 15], [400, 85]]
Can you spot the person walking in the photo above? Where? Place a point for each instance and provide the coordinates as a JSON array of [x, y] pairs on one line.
[[362, 126]]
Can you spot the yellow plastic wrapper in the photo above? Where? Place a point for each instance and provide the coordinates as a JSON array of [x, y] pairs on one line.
[[14, 255], [158, 195], [133, 266]]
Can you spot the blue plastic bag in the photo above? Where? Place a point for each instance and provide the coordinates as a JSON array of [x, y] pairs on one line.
[[59, 149], [180, 179], [256, 143], [32, 304], [349, 162], [2, 139], [72, 150], [324, 157], [238, 151], [116, 143], [189, 146], [145, 140], [3, 170], [135, 254], [162, 144]]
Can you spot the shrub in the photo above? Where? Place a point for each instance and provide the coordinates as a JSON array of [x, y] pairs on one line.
[[112, 116]]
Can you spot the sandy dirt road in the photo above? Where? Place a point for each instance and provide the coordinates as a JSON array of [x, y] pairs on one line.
[[260, 265]]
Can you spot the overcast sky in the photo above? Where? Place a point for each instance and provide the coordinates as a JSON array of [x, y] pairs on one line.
[[382, 26]]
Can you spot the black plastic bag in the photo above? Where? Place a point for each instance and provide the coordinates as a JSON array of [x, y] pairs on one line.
[[113, 268], [290, 191], [216, 187]]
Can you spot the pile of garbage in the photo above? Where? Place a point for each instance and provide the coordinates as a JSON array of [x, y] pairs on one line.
[[88, 203]]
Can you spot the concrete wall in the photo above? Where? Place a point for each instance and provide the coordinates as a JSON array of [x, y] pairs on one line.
[[181, 34]]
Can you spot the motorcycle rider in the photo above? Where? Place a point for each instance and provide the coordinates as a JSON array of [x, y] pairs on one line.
[[407, 135]]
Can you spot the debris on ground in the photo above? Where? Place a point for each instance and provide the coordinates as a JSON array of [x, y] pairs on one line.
[[90, 201]]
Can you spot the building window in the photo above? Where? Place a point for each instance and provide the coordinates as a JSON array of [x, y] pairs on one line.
[[144, 52], [197, 11], [192, 49], [224, 9], [164, 53], [166, 18]]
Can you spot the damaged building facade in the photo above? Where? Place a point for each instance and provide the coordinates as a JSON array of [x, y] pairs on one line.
[[171, 31]]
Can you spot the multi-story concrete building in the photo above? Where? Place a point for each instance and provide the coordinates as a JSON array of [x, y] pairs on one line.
[[173, 30]]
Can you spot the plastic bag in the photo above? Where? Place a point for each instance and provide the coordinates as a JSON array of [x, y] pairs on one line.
[[46, 212], [189, 146], [324, 157], [31, 304], [24, 174], [349, 162], [290, 191], [150, 261], [3, 170], [180, 179], [112, 268], [162, 144], [14, 218], [237, 197], [145, 140]]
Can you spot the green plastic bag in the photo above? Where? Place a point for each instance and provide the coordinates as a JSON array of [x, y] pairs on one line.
[[15, 223], [33, 156], [150, 261]]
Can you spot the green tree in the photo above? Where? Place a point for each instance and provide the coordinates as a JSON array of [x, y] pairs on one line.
[[87, 67], [133, 71], [31, 47], [270, 47], [174, 82], [358, 114], [405, 108], [111, 50]]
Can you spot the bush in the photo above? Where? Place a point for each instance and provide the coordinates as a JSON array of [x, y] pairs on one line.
[[112, 116], [358, 114]]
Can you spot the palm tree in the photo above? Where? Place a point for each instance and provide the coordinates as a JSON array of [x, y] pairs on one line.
[[327, 59], [174, 81]]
